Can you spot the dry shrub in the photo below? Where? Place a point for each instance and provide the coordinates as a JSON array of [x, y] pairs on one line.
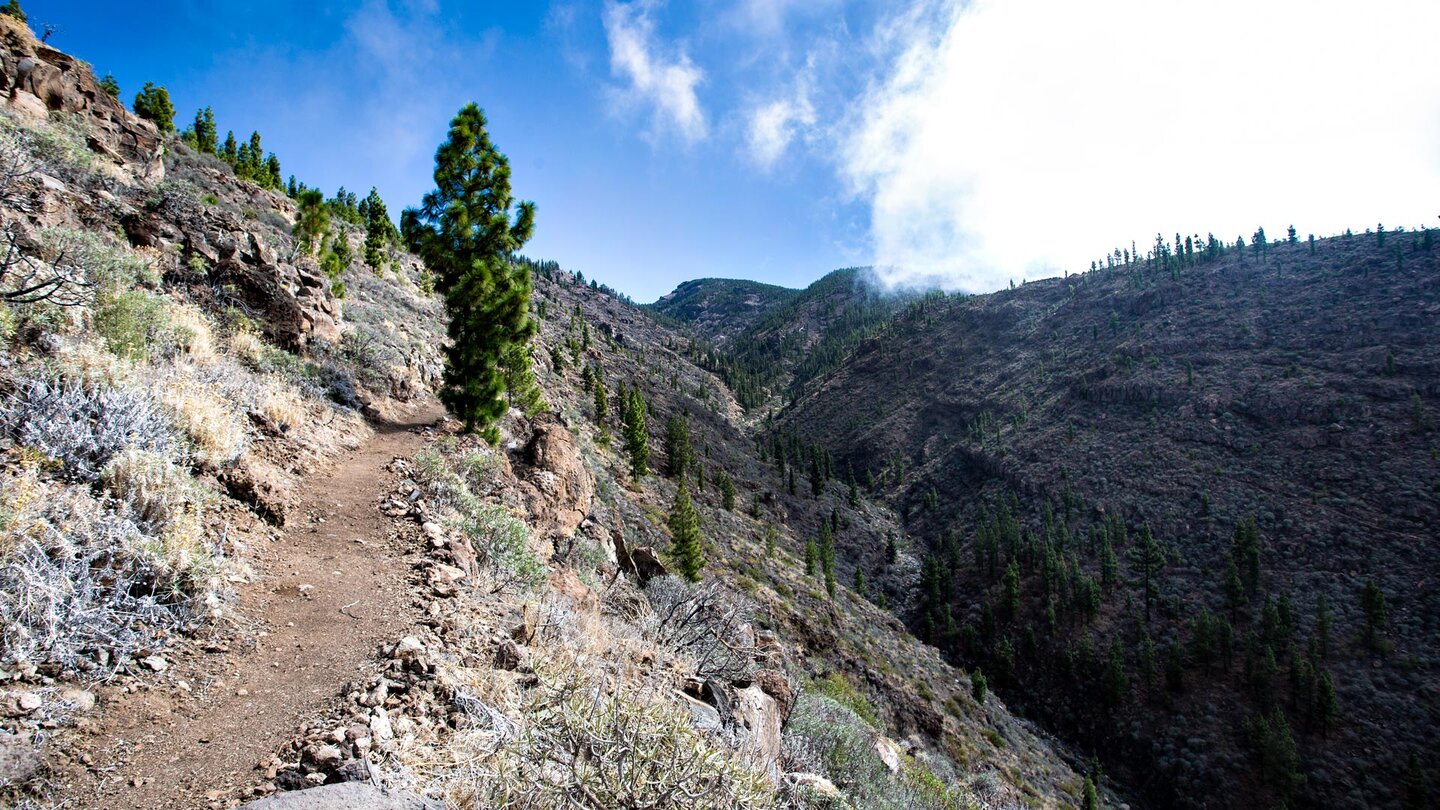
[[171, 506], [583, 745], [84, 584], [216, 430], [81, 427], [284, 407], [192, 332], [248, 347], [704, 623]]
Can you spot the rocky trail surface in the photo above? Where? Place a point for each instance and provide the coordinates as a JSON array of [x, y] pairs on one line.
[[336, 587]]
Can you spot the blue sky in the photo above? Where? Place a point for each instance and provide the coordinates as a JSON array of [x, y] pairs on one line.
[[956, 144]]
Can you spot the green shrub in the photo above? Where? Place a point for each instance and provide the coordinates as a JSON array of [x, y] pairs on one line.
[[825, 736], [111, 269], [130, 323], [58, 144], [501, 540], [840, 690]]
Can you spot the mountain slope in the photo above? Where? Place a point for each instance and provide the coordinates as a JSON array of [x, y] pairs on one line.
[[722, 308], [767, 357], [1293, 386]]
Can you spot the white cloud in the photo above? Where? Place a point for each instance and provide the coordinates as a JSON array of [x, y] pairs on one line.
[[1026, 137], [667, 85], [773, 125]]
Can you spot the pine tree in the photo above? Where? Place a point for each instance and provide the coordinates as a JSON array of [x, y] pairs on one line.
[[827, 556], [1275, 753], [1174, 667], [812, 557], [464, 233], [602, 402], [109, 84], [1372, 602], [859, 582], [517, 368], [206, 137], [1414, 787], [379, 230], [1011, 583], [153, 104], [1090, 800], [1245, 552], [1327, 703], [978, 686], [1109, 565], [727, 492], [312, 222], [1149, 558], [637, 438], [678, 454], [230, 153], [12, 9], [685, 546], [1114, 684]]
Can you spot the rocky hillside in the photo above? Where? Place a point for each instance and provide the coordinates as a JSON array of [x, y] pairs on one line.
[[722, 308], [235, 564], [1183, 511]]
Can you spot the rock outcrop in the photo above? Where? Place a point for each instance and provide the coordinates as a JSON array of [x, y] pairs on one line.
[[559, 489], [37, 80]]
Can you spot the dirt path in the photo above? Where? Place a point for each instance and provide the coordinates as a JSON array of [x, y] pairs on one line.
[[325, 603]]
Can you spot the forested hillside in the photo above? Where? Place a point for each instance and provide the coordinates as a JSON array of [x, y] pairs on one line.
[[1182, 508]]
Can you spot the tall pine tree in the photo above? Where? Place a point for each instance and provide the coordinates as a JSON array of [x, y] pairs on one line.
[[637, 438], [464, 232]]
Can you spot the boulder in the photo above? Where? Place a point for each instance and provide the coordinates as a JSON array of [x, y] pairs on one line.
[[647, 564], [341, 796], [19, 761], [566, 583], [262, 487], [703, 716], [777, 685], [816, 784], [561, 489], [889, 752], [294, 302], [759, 715]]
